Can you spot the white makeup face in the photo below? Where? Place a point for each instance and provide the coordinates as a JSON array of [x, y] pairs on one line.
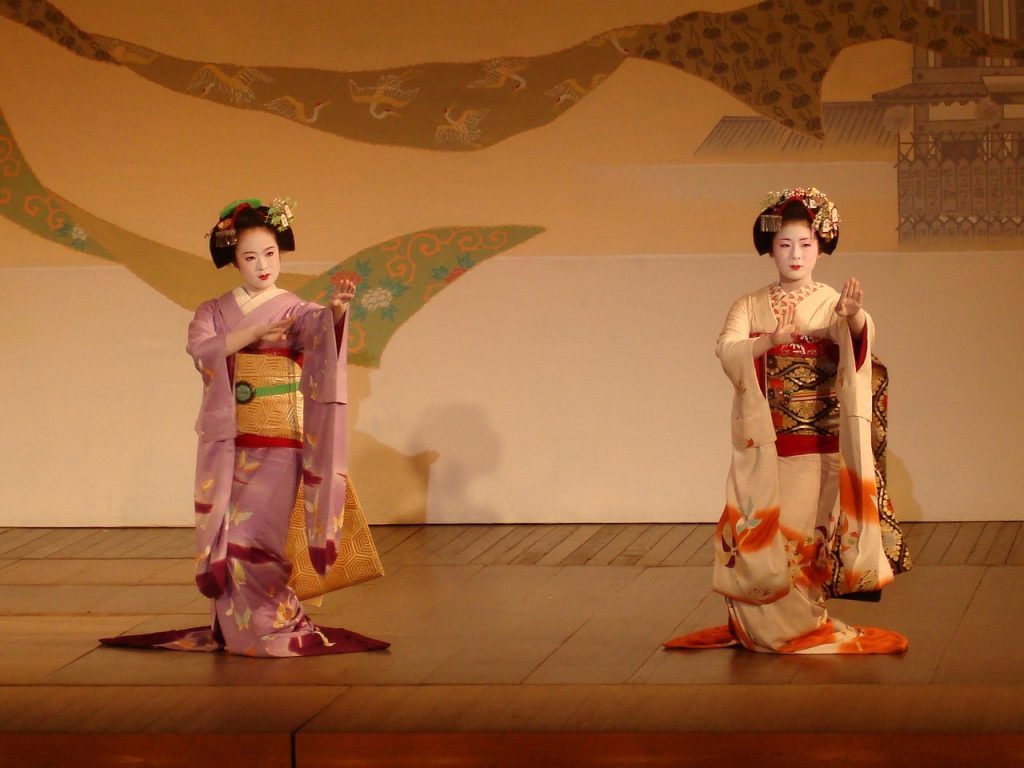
[[795, 252], [257, 259]]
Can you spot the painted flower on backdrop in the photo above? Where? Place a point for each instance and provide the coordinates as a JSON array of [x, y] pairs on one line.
[[381, 298], [341, 276]]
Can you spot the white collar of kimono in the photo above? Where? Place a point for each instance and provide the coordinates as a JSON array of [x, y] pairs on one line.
[[248, 303]]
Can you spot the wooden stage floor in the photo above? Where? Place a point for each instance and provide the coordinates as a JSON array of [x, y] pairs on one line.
[[512, 645]]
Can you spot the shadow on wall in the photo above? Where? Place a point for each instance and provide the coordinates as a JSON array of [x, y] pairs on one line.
[[901, 490], [475, 450], [392, 485]]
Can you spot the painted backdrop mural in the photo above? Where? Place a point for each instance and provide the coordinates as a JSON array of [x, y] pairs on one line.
[[629, 152]]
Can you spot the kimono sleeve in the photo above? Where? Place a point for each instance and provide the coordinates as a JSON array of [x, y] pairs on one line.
[[751, 417], [853, 377], [325, 349], [207, 346]]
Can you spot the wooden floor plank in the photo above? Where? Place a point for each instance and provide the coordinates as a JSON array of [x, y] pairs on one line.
[[469, 535], [938, 543], [917, 536], [1016, 556], [409, 544], [493, 535], [645, 749], [625, 536], [398, 536], [382, 533], [14, 539], [979, 555], [523, 545], [963, 544], [118, 543], [694, 544], [672, 538], [439, 553], [591, 546], [570, 544], [416, 549], [504, 544], [555, 536], [642, 544], [52, 543], [165, 543], [1003, 543]]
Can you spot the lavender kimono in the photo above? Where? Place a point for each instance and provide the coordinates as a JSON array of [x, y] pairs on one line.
[[247, 482]]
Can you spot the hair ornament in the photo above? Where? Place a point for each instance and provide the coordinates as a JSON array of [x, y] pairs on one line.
[[278, 216], [281, 214], [825, 214]]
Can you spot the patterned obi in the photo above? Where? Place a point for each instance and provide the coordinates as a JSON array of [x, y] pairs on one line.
[[799, 381], [267, 397]]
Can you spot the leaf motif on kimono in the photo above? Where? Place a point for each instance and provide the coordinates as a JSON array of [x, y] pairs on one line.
[[244, 464], [747, 520], [242, 618], [284, 616], [207, 484], [311, 439], [727, 555], [238, 572], [238, 517]]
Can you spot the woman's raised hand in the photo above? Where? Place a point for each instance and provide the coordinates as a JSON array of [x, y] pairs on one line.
[[785, 330], [277, 331], [851, 299], [343, 293]]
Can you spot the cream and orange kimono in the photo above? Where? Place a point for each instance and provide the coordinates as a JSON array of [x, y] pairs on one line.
[[272, 432], [801, 519]]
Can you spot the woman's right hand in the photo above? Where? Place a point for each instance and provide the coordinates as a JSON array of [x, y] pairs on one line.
[[270, 332], [785, 330]]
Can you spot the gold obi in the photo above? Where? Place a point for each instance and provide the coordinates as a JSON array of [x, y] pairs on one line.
[[800, 384], [267, 397]]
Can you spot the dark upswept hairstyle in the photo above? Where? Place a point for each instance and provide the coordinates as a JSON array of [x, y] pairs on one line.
[[794, 208], [235, 219]]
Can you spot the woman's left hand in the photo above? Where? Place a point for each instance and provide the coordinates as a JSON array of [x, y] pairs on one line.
[[851, 300]]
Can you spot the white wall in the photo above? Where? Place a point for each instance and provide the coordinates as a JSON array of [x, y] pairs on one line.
[[549, 389]]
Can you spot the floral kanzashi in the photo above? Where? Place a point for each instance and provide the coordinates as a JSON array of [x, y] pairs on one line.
[[826, 215], [281, 213]]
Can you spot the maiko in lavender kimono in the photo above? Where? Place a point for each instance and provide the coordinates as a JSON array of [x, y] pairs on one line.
[[806, 514], [271, 427]]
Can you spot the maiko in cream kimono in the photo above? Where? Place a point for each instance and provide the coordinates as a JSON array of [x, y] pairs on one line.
[[801, 516]]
